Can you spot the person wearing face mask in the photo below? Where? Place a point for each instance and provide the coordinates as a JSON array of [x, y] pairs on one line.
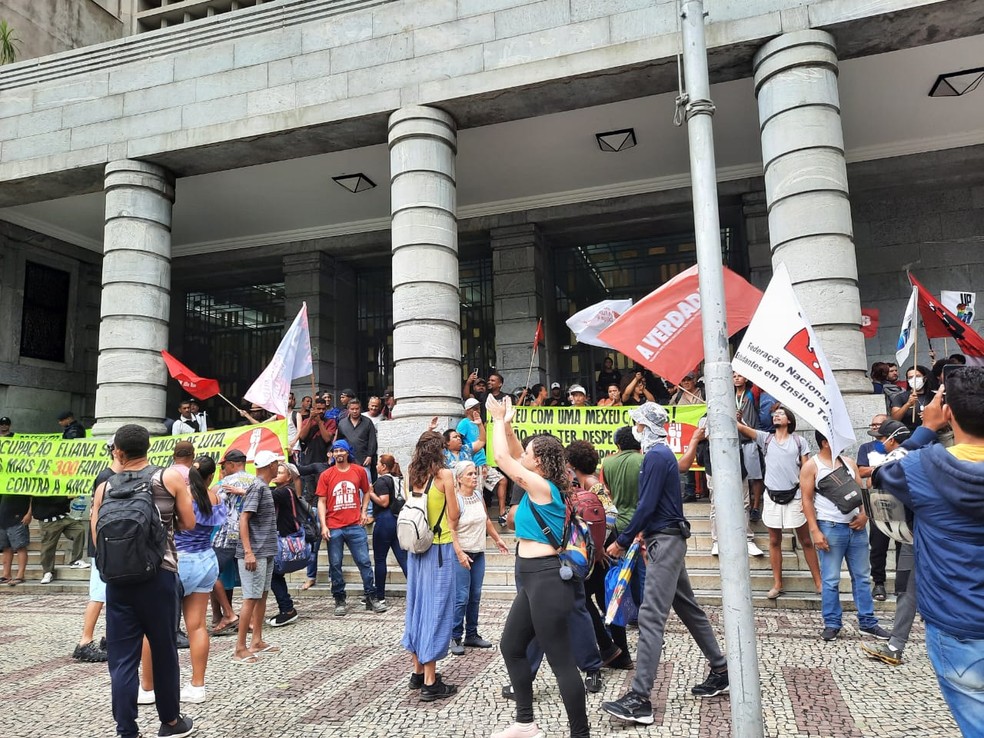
[[907, 407]]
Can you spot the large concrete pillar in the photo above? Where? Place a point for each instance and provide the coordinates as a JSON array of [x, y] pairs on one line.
[[807, 197], [426, 312], [131, 381], [518, 267]]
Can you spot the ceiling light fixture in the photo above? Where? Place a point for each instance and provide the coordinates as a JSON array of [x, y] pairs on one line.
[[956, 84], [355, 183], [615, 141]]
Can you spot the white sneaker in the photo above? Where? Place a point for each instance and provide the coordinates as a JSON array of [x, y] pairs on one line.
[[145, 696], [520, 730], [80, 564], [714, 548], [754, 550], [192, 694], [48, 576]]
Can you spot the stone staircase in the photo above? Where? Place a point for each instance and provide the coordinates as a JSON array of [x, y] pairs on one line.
[[500, 580]]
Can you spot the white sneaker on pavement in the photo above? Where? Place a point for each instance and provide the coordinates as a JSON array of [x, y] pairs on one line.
[[754, 550], [145, 696], [520, 730], [193, 695], [48, 576], [714, 548], [80, 564]]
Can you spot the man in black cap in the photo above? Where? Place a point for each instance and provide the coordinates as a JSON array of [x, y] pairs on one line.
[[5, 431], [71, 428]]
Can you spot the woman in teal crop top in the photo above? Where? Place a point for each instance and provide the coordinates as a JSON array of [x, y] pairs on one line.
[[545, 599]]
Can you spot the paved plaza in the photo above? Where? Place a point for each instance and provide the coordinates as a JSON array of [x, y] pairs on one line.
[[347, 678]]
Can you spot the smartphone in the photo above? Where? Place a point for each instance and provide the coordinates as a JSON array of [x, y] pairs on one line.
[[948, 370]]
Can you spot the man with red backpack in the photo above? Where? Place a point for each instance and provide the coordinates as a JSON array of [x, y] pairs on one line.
[[659, 518]]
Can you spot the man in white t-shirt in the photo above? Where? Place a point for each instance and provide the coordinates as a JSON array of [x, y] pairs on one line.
[[838, 537]]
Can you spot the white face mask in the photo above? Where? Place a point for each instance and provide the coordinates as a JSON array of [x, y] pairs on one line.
[[917, 383], [637, 434]]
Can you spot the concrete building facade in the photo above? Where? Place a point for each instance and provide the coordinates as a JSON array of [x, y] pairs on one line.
[[434, 176]]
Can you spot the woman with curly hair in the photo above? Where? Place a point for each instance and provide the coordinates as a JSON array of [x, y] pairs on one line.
[[546, 594], [431, 575]]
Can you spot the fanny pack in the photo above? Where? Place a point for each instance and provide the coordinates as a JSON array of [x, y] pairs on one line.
[[840, 488], [783, 496]]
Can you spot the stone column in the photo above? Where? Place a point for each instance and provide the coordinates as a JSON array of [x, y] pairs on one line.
[[518, 266], [426, 312], [131, 380], [807, 197]]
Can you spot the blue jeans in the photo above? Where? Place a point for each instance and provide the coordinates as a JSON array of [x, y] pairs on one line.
[[852, 546], [468, 595], [384, 541], [959, 667], [353, 536]]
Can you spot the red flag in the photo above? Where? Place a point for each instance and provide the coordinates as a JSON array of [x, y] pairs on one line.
[[196, 386], [663, 330], [869, 322], [538, 336], [941, 323]]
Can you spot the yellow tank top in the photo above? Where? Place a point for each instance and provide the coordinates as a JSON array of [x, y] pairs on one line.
[[435, 503]]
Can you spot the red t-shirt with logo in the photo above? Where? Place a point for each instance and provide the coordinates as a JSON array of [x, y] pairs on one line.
[[343, 492]]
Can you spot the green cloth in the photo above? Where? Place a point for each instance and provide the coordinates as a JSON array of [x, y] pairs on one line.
[[621, 474]]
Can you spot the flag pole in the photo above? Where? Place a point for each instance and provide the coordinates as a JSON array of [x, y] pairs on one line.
[[234, 406], [532, 361], [915, 360], [739, 623]]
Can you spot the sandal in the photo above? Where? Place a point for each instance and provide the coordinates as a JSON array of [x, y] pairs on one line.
[[270, 650], [4, 580], [14, 582], [249, 660], [775, 593], [308, 584]]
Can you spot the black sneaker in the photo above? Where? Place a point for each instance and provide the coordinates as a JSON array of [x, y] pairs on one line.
[[183, 727], [883, 652], [592, 681], [90, 653], [476, 641], [715, 684], [340, 608], [375, 605], [508, 692], [282, 618], [417, 680], [830, 634], [878, 592], [437, 691], [878, 632], [181, 639], [623, 661], [632, 707], [102, 644]]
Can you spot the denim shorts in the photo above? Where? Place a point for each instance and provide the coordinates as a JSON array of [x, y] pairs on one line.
[[255, 583], [198, 571], [97, 587], [16, 537]]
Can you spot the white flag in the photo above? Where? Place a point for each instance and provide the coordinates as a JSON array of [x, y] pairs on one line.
[[907, 334], [588, 323], [292, 360], [780, 353], [961, 304]]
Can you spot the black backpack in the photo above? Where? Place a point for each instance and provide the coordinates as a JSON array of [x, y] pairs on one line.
[[130, 536]]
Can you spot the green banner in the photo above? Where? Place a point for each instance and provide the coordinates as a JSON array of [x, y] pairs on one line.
[[598, 425], [46, 464]]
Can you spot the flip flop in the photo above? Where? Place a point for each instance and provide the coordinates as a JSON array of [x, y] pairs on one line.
[[4, 580], [14, 582], [227, 629], [775, 593], [249, 660], [270, 649]]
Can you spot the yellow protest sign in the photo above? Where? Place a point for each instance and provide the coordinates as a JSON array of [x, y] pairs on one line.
[[598, 425], [46, 464]]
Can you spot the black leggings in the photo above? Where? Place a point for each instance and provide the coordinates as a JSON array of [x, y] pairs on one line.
[[540, 610]]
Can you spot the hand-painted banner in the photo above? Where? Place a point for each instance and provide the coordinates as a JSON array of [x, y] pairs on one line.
[[598, 425], [46, 464]]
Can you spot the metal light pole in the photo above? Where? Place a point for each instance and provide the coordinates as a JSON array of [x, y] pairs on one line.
[[739, 623]]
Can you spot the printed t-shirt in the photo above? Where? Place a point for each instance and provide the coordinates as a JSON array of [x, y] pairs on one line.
[[343, 492]]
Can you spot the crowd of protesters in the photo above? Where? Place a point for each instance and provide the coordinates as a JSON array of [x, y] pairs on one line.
[[225, 530]]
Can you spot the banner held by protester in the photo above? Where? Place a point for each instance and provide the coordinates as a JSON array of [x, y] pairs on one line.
[[781, 354], [47, 464]]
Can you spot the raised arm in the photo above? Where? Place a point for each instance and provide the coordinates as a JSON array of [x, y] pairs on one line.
[[504, 450]]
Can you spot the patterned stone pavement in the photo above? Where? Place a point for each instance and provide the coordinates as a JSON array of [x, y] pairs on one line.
[[346, 678]]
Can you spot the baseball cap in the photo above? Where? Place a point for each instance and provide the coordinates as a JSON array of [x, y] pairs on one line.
[[234, 454], [347, 393], [891, 429], [65, 414], [470, 403], [183, 449], [576, 388], [265, 458], [555, 385], [4, 420]]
